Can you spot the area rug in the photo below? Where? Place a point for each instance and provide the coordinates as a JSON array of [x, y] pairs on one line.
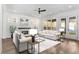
[[46, 44]]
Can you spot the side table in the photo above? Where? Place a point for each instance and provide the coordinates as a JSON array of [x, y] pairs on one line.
[[33, 45]]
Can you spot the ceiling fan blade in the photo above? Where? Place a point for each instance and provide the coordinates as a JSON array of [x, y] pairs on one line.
[[39, 10], [42, 10]]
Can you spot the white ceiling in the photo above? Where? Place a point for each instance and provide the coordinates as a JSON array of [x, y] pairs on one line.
[[51, 9]]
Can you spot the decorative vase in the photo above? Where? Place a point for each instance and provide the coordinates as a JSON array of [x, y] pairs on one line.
[[33, 38]]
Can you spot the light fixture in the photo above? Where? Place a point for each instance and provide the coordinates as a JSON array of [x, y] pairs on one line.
[[33, 32], [61, 29]]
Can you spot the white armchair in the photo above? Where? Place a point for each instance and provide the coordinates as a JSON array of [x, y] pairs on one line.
[[20, 41]]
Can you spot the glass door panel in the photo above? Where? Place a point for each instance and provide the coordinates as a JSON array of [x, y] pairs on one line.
[[50, 24], [47, 25], [53, 24]]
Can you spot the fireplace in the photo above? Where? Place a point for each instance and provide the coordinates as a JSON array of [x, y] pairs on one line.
[[25, 32]]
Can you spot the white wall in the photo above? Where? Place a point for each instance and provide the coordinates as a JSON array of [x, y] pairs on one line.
[[67, 15], [33, 21], [0, 28]]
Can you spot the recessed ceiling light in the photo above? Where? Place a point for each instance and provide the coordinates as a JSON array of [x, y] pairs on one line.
[[70, 6]]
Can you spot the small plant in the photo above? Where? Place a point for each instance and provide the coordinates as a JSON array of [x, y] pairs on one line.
[[12, 29]]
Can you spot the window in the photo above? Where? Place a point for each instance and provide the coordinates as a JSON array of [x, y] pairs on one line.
[[12, 20], [63, 24], [72, 25]]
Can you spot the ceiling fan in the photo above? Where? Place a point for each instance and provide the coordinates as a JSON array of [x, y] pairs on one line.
[[40, 10]]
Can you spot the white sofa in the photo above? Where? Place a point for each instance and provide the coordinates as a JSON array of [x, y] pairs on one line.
[[20, 41], [49, 34]]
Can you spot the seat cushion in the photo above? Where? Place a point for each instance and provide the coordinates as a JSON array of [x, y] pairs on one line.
[[25, 39]]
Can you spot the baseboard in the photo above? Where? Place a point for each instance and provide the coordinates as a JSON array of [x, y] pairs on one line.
[[71, 39], [7, 38]]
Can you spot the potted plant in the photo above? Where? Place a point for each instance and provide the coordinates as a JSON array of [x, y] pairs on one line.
[[12, 29]]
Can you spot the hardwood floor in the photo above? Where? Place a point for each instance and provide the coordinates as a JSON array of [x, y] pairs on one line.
[[66, 47], [8, 47]]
